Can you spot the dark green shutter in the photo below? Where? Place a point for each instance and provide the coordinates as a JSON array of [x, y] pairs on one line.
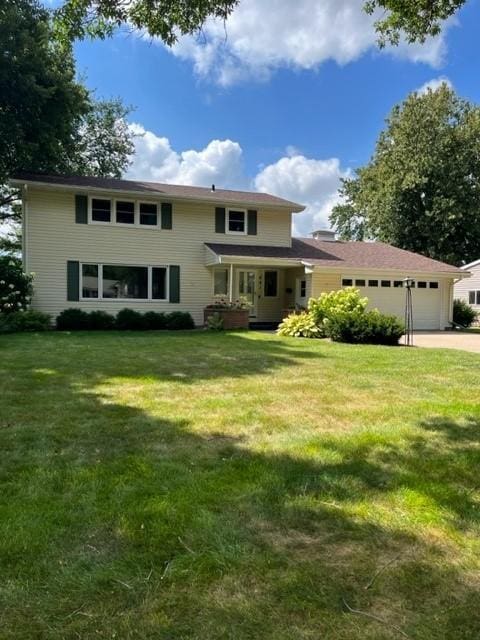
[[73, 277], [220, 220], [252, 223], [174, 284], [166, 215], [81, 209]]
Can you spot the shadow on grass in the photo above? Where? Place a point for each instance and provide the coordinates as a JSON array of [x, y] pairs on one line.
[[119, 524]]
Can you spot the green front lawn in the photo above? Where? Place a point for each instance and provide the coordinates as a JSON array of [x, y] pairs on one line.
[[237, 486]]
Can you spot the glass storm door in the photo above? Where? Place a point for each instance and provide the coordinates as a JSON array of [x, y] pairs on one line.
[[247, 288]]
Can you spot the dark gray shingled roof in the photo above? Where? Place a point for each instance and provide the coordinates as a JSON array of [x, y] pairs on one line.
[[160, 190], [352, 255]]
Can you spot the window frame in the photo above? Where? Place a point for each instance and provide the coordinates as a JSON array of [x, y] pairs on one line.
[[149, 268], [90, 210], [476, 297], [149, 226], [265, 295], [135, 212], [227, 219]]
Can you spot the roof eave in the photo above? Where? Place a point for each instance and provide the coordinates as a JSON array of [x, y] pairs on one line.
[[293, 207]]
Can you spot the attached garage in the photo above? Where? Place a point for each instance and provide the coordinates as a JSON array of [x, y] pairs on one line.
[[389, 297]]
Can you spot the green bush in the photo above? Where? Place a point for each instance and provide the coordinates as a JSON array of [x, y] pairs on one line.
[[215, 322], [300, 325], [100, 321], [129, 320], [463, 314], [365, 327], [178, 320], [155, 321], [72, 320], [333, 303], [25, 321], [15, 285]]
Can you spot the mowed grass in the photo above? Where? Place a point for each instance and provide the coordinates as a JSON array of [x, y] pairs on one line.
[[237, 486]]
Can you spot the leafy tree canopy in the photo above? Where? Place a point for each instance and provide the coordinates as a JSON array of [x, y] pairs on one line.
[[166, 19], [49, 122], [415, 19], [421, 189]]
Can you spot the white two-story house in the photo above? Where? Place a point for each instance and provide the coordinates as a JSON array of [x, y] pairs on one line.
[[101, 243]]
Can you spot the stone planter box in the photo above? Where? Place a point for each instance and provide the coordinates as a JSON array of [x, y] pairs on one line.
[[232, 318]]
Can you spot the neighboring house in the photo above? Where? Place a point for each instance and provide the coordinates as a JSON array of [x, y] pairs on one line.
[[469, 290], [100, 243]]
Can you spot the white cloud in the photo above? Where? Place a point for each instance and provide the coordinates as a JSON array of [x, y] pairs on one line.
[[220, 162], [309, 181], [434, 84], [263, 35]]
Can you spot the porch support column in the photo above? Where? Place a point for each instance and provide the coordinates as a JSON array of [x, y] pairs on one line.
[[230, 283]]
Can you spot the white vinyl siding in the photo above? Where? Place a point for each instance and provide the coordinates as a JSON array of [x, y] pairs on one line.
[[465, 286], [53, 238]]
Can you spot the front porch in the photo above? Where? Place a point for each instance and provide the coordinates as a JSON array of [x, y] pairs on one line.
[[272, 290]]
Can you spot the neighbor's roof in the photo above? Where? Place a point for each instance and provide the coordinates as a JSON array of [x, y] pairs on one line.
[[157, 189], [470, 265], [349, 255]]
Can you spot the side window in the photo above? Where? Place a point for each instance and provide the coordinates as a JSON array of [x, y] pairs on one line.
[[220, 282]]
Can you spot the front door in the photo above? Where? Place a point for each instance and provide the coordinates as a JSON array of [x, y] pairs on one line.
[[247, 288], [301, 292]]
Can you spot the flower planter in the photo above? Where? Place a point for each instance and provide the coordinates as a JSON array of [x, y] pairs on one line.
[[232, 318]]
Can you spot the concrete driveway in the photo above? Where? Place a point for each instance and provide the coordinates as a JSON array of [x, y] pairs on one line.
[[447, 340]]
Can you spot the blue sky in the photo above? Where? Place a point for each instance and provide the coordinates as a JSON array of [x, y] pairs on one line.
[[288, 108]]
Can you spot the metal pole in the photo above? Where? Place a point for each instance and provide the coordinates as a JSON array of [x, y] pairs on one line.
[[230, 288]]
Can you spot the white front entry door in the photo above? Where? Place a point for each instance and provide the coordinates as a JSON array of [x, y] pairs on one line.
[[301, 292], [247, 287]]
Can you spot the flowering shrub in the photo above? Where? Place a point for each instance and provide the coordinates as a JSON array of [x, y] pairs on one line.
[[328, 305], [222, 302], [15, 285]]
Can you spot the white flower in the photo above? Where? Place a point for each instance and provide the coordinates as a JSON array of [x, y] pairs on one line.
[[2, 281], [11, 286], [11, 263], [17, 292]]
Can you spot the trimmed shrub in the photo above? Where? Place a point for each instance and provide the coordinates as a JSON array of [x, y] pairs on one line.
[[300, 325], [129, 320], [100, 321], [463, 314], [369, 327], [72, 320], [330, 304], [178, 320], [15, 285], [25, 321], [155, 321]]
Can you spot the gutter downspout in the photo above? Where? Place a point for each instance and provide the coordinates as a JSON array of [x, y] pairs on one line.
[[230, 288]]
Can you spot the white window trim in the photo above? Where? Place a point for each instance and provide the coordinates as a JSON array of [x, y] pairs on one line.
[[159, 213], [100, 222], [136, 224], [245, 222], [135, 213], [149, 267], [476, 293], [278, 284]]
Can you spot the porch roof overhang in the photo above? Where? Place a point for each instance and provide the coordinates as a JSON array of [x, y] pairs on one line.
[[216, 255]]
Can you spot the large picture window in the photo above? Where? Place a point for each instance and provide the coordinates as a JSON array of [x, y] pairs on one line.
[[123, 282]]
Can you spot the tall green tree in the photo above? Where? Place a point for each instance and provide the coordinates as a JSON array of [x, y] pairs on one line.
[[421, 189], [49, 122]]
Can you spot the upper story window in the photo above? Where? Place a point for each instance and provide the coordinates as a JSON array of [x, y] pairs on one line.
[[125, 211], [236, 221], [148, 214], [101, 210]]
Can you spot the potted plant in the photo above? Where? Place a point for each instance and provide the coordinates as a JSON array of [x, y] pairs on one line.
[[233, 313]]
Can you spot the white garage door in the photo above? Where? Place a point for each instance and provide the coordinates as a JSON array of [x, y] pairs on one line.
[[426, 297]]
